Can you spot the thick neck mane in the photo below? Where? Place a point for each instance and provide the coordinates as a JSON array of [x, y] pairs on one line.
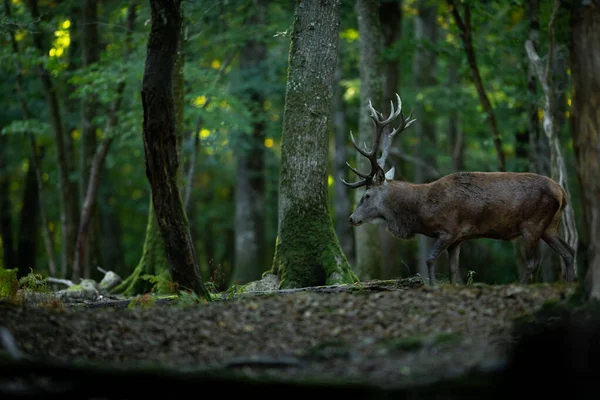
[[403, 205]]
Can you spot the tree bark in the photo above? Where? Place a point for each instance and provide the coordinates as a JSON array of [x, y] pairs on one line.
[[249, 258], [464, 28], [585, 130], [67, 189], [367, 237], [307, 251], [160, 145], [425, 69]]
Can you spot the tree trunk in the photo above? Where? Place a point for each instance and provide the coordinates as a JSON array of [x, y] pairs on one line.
[[249, 253], [341, 201], [367, 237], [307, 251], [69, 208], [88, 207], [91, 55], [464, 27], [390, 18], [161, 147], [585, 130], [424, 69], [9, 258]]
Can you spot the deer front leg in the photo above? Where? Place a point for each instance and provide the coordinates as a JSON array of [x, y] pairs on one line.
[[440, 244]]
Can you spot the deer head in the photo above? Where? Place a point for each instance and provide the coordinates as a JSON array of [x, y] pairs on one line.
[[368, 209]]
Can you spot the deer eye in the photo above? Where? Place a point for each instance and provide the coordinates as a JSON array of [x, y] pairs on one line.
[[367, 196]]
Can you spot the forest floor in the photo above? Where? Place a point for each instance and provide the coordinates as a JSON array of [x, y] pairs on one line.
[[386, 335]]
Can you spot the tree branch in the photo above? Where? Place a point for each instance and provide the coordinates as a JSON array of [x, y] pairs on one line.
[[464, 28]]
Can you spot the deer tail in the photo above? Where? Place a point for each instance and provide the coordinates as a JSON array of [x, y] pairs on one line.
[[565, 198]]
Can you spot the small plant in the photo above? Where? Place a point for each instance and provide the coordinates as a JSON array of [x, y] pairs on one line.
[[217, 277], [188, 298], [470, 277], [161, 284], [143, 301], [33, 282]]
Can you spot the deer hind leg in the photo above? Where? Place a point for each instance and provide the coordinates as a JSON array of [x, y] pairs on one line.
[[566, 252], [453, 255], [439, 246], [531, 244]]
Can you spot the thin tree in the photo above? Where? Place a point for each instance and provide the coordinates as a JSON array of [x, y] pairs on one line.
[[99, 157], [35, 156], [249, 262], [390, 19], [559, 169], [367, 236], [307, 250], [90, 46], [466, 34], [341, 199], [425, 77], [69, 208], [161, 148]]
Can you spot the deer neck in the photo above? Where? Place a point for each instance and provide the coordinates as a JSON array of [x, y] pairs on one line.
[[403, 205]]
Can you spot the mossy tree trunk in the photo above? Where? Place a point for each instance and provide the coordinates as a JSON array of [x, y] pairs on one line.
[[152, 263], [161, 145], [367, 236], [585, 129], [307, 250]]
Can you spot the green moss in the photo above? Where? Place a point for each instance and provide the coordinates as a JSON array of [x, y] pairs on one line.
[[8, 283], [308, 253], [153, 263]]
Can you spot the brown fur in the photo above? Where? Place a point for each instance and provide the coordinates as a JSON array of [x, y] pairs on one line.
[[469, 205]]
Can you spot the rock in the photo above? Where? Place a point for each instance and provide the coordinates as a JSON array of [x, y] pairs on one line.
[[109, 281]]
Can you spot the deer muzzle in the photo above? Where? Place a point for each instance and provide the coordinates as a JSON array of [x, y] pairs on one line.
[[353, 221]]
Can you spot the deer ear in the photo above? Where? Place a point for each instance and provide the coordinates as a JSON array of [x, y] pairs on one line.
[[390, 174]]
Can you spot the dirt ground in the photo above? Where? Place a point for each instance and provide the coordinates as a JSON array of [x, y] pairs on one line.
[[385, 335]]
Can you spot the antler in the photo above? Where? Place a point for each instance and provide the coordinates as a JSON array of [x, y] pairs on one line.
[[380, 124]]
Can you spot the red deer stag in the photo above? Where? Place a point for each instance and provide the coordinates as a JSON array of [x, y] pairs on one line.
[[460, 206]]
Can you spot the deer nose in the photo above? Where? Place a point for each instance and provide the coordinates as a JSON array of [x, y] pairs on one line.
[[351, 220]]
